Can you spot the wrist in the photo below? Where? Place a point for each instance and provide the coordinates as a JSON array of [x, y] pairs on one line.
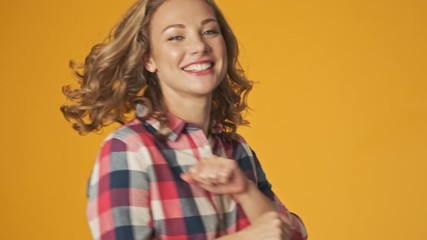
[[236, 236], [249, 188]]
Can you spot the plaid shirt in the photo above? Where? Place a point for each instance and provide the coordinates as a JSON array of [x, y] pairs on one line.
[[135, 190]]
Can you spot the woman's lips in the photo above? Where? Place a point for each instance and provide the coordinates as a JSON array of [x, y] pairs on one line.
[[198, 67]]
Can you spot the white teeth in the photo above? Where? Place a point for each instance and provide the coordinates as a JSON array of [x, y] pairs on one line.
[[198, 67]]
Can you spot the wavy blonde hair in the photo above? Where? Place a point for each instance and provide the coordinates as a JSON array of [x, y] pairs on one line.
[[113, 78]]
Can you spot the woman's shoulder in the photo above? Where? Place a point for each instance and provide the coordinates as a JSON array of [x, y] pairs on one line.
[[238, 140], [129, 147], [133, 132], [241, 146]]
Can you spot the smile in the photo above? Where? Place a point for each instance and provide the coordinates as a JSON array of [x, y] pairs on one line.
[[198, 67]]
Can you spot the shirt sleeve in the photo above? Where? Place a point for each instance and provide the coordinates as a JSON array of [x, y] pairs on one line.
[[251, 166], [118, 191], [297, 226]]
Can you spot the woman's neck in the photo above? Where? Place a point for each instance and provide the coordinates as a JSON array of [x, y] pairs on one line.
[[196, 111]]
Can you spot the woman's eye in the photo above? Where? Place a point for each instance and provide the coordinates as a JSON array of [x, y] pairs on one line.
[[175, 38], [210, 33]]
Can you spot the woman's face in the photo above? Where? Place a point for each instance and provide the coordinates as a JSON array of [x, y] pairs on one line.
[[188, 52]]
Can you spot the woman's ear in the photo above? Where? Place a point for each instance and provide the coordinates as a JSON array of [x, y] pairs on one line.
[[149, 64]]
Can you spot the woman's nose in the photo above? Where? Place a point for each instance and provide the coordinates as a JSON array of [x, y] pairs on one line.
[[198, 46]]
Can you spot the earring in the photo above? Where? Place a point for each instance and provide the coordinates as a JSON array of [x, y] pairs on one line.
[[151, 69], [142, 107]]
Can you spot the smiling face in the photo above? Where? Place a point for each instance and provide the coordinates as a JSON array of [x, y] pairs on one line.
[[188, 52]]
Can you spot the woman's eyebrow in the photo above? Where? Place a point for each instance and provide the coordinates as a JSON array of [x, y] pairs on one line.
[[206, 21], [173, 26]]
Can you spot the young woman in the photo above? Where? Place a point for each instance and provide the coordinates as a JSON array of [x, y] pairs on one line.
[[178, 170]]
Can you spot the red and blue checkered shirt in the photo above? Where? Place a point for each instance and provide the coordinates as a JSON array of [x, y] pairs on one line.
[[135, 190]]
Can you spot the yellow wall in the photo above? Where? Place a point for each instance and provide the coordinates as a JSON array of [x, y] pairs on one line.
[[339, 114]]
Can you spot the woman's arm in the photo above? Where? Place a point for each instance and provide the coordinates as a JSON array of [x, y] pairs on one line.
[[253, 202], [224, 176], [117, 194]]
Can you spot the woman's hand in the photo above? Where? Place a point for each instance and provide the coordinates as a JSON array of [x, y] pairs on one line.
[[223, 176], [217, 175], [270, 225]]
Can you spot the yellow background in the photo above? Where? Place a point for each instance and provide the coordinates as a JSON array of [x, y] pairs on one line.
[[339, 116]]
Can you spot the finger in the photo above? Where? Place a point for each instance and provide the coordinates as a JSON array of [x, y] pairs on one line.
[[223, 177], [286, 220], [201, 175], [286, 233], [223, 168], [218, 180], [187, 178], [218, 175], [195, 179], [208, 171], [287, 227]]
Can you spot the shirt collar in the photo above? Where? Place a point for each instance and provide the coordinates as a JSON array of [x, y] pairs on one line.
[[177, 126]]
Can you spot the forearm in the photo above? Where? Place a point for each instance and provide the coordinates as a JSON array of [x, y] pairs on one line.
[[233, 236], [254, 202]]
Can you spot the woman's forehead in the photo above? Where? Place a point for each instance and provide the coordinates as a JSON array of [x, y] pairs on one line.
[[182, 12]]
